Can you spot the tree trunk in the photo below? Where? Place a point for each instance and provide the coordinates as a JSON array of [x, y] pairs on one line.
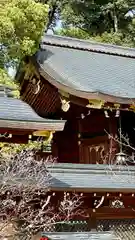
[[115, 19], [51, 16]]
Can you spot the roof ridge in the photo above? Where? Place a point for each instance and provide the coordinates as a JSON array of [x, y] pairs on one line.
[[69, 167], [86, 45]]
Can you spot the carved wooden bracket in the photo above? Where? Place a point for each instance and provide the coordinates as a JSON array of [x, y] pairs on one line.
[[98, 203]]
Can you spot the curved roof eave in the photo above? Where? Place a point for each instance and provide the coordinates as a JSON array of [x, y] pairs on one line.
[[83, 94], [17, 114]]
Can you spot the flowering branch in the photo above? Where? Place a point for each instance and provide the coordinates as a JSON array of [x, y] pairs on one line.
[[25, 197]]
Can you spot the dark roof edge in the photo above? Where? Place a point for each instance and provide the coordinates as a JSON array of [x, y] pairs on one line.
[[86, 45], [93, 189]]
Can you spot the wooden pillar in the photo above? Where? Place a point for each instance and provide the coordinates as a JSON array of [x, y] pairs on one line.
[[92, 222], [113, 132], [55, 145]]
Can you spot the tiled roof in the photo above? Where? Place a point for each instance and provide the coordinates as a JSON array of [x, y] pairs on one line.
[[88, 69], [81, 236], [15, 112], [91, 46], [90, 178]]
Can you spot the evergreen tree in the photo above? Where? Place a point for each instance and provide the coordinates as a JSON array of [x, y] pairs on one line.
[[21, 26]]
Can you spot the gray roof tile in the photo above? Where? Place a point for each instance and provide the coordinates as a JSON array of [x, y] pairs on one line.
[[89, 178], [89, 71], [81, 236], [88, 45], [15, 110]]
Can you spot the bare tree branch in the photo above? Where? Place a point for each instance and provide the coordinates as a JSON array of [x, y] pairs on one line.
[[25, 199]]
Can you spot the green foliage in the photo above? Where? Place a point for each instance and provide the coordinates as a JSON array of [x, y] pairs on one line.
[[55, 8], [8, 81], [73, 32], [22, 23], [111, 38], [114, 38], [21, 26], [9, 149], [5, 79], [103, 21], [98, 16]]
